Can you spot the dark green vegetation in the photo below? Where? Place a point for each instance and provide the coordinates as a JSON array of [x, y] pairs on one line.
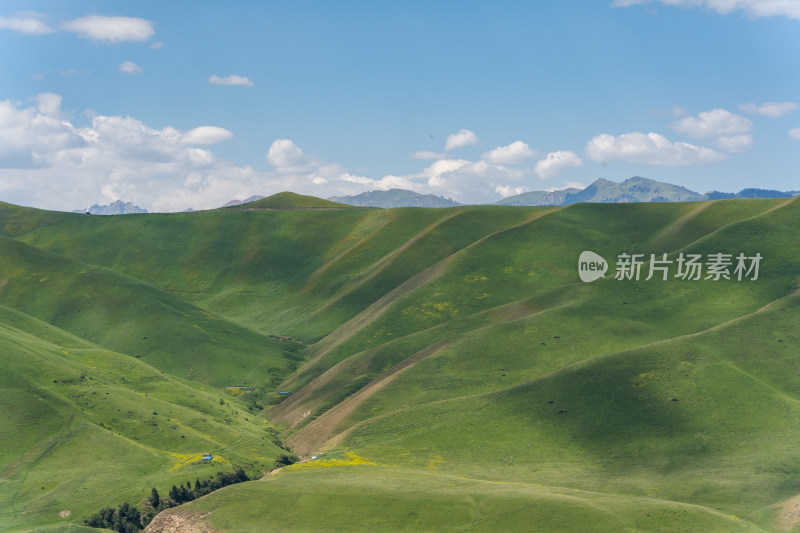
[[129, 519], [448, 362]]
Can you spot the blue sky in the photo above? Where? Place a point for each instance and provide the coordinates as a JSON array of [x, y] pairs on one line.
[[173, 105]]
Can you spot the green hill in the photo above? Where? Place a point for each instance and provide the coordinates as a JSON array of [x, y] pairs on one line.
[[448, 363], [289, 200]]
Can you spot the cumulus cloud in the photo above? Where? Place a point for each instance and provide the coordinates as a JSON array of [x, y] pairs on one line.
[[425, 154], [50, 161], [714, 123], [284, 153], [27, 25], [230, 80], [28, 135], [728, 130], [461, 138], [466, 180], [512, 154], [506, 191], [111, 29], [753, 8], [113, 157], [206, 135], [649, 149], [794, 134], [129, 67], [557, 162], [769, 109]]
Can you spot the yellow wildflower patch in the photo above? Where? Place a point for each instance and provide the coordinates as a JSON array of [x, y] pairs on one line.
[[350, 459], [472, 278], [180, 460]]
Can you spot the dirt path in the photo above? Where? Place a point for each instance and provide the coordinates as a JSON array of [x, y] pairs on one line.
[[676, 225], [729, 224], [312, 437], [289, 410]]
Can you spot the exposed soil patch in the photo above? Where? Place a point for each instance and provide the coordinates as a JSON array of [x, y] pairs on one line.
[[790, 514], [171, 521]]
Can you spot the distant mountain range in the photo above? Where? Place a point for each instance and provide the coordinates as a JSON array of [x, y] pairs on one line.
[[236, 202], [114, 208], [394, 198], [636, 189], [539, 197]]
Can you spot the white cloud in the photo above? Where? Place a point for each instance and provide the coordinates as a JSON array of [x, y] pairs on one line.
[[461, 138], [28, 135], [736, 143], [356, 179], [769, 109], [425, 154], [27, 25], [49, 161], [230, 80], [506, 191], [156, 45], [557, 162], [111, 29], [285, 154], [129, 67], [794, 134], [753, 8], [111, 158], [512, 154], [649, 149], [467, 181], [714, 123], [206, 135]]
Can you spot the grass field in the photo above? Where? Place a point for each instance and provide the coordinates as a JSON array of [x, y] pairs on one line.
[[449, 364]]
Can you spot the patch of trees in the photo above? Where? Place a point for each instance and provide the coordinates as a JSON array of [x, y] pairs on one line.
[[129, 519]]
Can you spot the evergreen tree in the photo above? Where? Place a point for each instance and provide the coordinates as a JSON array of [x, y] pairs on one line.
[[154, 499]]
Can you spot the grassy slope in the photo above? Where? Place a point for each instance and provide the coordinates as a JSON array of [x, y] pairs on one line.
[[85, 427], [481, 407], [437, 345], [371, 498], [132, 317]]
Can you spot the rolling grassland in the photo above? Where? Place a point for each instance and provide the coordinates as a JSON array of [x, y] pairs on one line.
[[446, 367]]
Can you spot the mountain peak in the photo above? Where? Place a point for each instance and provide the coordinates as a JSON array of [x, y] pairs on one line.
[[117, 207]]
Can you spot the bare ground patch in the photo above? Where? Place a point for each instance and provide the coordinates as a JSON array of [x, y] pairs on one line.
[[172, 521]]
